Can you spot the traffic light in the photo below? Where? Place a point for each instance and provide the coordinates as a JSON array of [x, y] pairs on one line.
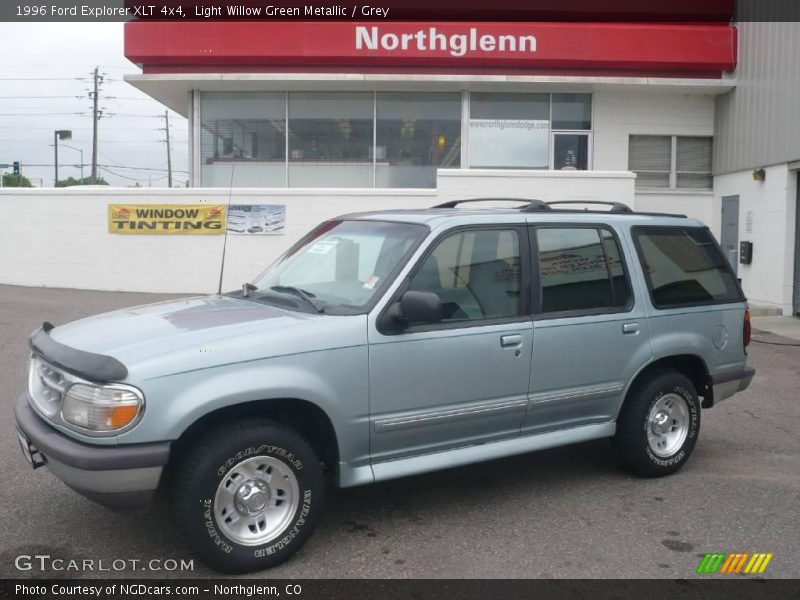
[[16, 167]]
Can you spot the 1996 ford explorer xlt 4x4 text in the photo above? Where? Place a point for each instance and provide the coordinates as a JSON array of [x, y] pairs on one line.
[[388, 344]]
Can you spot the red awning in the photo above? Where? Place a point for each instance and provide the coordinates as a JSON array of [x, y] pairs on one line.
[[579, 48]]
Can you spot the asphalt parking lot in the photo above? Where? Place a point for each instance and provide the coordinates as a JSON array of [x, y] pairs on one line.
[[563, 513]]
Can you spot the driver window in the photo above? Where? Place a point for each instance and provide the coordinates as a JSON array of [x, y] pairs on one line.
[[475, 273]]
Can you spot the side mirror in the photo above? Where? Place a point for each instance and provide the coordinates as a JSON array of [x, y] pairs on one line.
[[421, 307]]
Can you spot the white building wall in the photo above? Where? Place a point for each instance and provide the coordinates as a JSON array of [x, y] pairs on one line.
[[59, 237], [768, 281], [618, 114]]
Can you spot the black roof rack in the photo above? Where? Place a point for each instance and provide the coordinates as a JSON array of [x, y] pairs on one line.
[[616, 207], [530, 205], [538, 204]]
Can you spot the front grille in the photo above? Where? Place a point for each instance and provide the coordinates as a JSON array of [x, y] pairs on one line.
[[46, 386]]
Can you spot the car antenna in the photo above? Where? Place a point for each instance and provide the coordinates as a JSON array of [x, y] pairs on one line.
[[225, 238]]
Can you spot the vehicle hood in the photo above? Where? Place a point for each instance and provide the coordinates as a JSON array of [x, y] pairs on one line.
[[203, 331]]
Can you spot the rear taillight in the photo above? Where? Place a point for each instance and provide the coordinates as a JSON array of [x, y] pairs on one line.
[[746, 329]]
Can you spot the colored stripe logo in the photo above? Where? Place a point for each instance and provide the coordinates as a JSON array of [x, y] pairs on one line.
[[736, 562]]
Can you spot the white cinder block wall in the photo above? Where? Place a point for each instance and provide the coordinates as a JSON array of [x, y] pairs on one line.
[[60, 238], [618, 115], [769, 279]]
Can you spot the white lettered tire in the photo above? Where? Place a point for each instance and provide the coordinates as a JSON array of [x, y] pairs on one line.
[[247, 495], [658, 425]]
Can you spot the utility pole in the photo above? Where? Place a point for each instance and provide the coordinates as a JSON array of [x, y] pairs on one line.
[[96, 117], [169, 155]]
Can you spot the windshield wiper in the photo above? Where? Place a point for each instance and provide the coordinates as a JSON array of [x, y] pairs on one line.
[[304, 294]]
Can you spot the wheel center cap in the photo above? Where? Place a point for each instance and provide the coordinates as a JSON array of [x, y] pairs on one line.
[[661, 423], [251, 497]]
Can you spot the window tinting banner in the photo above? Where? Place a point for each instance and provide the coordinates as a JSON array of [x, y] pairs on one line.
[[166, 219]]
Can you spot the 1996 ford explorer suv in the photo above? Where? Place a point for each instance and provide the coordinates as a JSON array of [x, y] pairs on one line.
[[388, 344]]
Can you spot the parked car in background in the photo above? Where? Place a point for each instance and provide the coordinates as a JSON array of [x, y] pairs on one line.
[[387, 344]]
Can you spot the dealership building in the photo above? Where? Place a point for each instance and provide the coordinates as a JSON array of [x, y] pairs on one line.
[[328, 117]]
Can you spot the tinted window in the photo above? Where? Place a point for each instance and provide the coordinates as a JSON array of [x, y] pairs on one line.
[[475, 273], [580, 269], [684, 266]]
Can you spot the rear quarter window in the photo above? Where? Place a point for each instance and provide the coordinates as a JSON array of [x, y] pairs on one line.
[[683, 266]]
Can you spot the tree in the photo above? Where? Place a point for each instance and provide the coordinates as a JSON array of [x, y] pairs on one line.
[[11, 180], [70, 181]]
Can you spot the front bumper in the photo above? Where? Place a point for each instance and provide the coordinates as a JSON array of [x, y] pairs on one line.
[[119, 477], [727, 385]]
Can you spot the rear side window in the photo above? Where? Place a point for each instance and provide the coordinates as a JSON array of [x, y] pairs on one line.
[[580, 269], [684, 267]]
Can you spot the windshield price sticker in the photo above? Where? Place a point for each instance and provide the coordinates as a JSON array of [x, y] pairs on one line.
[[322, 247], [370, 283]]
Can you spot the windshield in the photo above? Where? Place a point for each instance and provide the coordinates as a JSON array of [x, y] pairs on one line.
[[340, 266]]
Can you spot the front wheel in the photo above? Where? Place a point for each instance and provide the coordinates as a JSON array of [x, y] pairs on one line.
[[658, 425], [248, 495]]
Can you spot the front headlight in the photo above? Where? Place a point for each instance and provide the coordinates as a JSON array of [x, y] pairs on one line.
[[101, 407]]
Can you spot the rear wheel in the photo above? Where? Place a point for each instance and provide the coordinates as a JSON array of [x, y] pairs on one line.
[[658, 425], [248, 495]]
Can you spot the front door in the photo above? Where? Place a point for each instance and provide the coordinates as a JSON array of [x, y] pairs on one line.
[[591, 336], [465, 380], [730, 230]]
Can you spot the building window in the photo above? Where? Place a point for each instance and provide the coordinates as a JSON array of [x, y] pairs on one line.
[[242, 139], [416, 133], [693, 162], [513, 131], [671, 162], [570, 151], [509, 131], [572, 111], [396, 139], [330, 139]]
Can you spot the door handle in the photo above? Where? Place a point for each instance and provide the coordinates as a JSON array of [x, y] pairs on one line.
[[630, 328], [510, 341]]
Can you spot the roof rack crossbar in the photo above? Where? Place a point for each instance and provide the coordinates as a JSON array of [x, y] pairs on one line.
[[529, 204], [617, 207]]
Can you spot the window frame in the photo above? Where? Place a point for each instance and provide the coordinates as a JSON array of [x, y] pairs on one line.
[[673, 172], [636, 232], [523, 309], [536, 280], [589, 147]]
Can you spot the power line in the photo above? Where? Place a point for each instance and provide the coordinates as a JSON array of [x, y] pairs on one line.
[[43, 79], [101, 166], [39, 97], [42, 141], [142, 116], [43, 114], [149, 179], [85, 128]]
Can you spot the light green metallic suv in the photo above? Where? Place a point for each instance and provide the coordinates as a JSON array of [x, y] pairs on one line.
[[388, 344]]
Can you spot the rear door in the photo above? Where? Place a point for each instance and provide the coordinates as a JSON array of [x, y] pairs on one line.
[[590, 331]]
